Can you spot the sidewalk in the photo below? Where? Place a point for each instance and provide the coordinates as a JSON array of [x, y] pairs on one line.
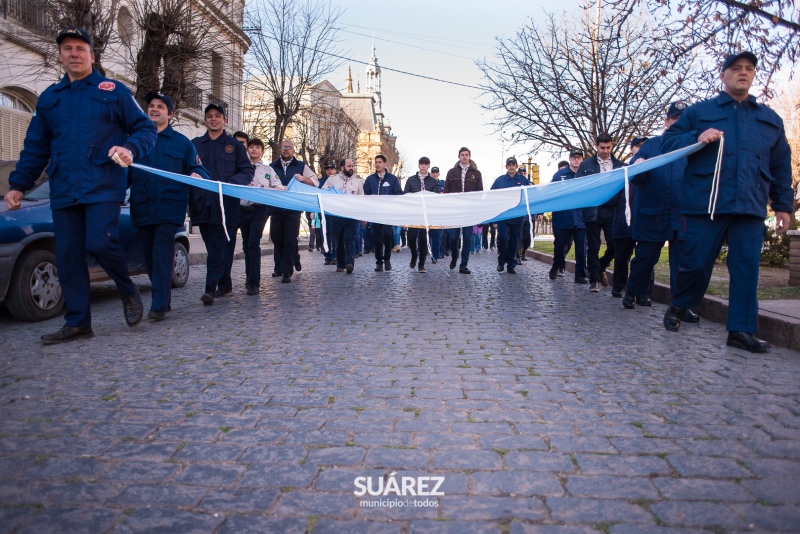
[[778, 320]]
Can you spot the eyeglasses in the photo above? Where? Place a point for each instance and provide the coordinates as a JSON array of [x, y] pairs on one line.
[[287, 147]]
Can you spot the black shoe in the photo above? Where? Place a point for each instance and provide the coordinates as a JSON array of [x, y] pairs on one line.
[[207, 298], [387, 265], [690, 317], [68, 333], [155, 315], [222, 292], [359, 255], [287, 279], [413, 263], [379, 268], [453, 262], [511, 270], [582, 280], [349, 268], [645, 301], [422, 269], [594, 286], [297, 266], [447, 254], [500, 268], [672, 318], [311, 249], [629, 301], [464, 270], [276, 275], [604, 279], [561, 273], [133, 309], [252, 290], [553, 274], [616, 293], [524, 258], [748, 342]]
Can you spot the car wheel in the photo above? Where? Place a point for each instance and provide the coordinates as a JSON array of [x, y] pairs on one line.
[[34, 293], [180, 266]]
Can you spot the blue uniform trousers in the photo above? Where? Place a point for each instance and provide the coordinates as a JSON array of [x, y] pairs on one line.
[[218, 269], [93, 229], [436, 243], [466, 240], [623, 250], [508, 238], [562, 237], [359, 237], [745, 236], [383, 238], [158, 245], [344, 232], [418, 243], [647, 255], [284, 229], [252, 220]]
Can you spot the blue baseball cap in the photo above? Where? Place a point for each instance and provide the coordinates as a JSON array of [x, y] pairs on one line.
[[218, 107], [164, 98], [676, 108], [74, 32], [749, 56], [638, 141]]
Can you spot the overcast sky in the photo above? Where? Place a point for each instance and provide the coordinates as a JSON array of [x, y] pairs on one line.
[[440, 39]]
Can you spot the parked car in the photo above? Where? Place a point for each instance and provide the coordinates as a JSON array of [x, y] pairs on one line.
[[29, 285]]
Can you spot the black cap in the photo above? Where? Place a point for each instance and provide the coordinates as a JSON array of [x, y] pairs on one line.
[[523, 170], [576, 152], [74, 32], [510, 160], [435, 169], [638, 141], [676, 108], [218, 107], [164, 98], [749, 56], [329, 166]]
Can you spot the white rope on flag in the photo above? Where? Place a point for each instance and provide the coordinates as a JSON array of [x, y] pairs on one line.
[[222, 209], [712, 198], [324, 227], [627, 198], [530, 220]]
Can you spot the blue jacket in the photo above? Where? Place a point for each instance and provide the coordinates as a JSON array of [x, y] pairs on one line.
[[657, 208], [506, 181], [604, 212], [756, 165], [390, 185], [226, 160], [156, 200], [567, 219], [74, 127]]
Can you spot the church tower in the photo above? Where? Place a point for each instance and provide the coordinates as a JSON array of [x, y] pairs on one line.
[[374, 86]]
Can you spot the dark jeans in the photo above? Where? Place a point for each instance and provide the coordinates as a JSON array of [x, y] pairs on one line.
[[466, 239], [418, 243], [158, 246], [647, 255], [383, 237], [252, 223], [508, 238], [284, 229], [594, 263], [331, 254], [344, 231], [525, 239], [403, 236], [623, 250], [436, 242], [93, 229], [218, 273], [489, 229], [562, 237]]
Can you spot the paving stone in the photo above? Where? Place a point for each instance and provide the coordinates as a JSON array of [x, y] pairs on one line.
[[392, 457], [698, 489], [316, 503], [580, 510], [161, 520], [70, 519], [336, 456], [762, 518], [424, 526], [245, 524], [11, 518], [602, 486], [210, 452], [63, 468], [570, 443], [239, 500], [700, 514], [525, 528], [159, 495], [465, 459], [707, 467], [277, 476], [209, 475], [330, 526], [625, 465], [539, 461], [514, 484], [75, 492], [482, 508], [258, 454]]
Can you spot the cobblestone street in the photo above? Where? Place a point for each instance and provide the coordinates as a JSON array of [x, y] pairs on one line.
[[545, 407]]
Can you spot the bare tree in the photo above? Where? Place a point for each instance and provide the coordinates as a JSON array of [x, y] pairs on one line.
[[293, 48], [770, 29], [787, 105], [558, 86]]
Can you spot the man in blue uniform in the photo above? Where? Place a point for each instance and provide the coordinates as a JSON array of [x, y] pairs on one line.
[[382, 182], [509, 232], [158, 205], [568, 226], [80, 125], [227, 161], [657, 212], [755, 169], [285, 225], [600, 218]]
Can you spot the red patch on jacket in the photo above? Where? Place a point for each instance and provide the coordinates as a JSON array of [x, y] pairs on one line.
[[229, 149], [106, 86]]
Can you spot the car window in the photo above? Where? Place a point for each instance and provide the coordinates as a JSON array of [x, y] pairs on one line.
[[40, 192], [37, 193]]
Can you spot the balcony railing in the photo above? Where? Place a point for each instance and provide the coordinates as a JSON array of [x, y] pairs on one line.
[[212, 99], [31, 14]]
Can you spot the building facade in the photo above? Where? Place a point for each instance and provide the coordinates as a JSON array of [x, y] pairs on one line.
[[29, 61]]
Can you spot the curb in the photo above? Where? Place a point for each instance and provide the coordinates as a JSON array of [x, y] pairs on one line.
[[777, 329]]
